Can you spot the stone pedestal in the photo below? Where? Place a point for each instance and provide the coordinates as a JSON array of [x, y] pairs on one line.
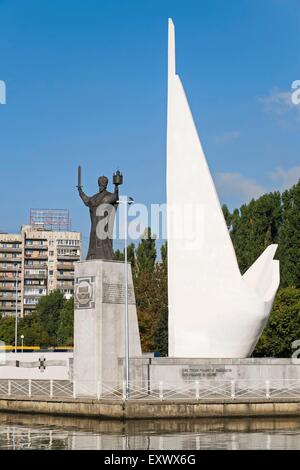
[[99, 323]]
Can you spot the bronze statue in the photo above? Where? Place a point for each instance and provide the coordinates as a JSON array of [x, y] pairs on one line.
[[102, 207]]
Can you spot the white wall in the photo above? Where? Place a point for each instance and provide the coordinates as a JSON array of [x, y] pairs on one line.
[[56, 372]]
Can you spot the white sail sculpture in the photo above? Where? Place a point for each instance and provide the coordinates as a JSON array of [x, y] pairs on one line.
[[214, 311]]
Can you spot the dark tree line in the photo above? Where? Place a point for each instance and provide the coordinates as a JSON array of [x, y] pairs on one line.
[[50, 325]]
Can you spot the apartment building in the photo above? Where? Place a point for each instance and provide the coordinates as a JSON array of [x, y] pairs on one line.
[[33, 263]]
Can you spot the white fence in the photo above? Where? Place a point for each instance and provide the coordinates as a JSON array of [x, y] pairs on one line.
[[205, 390]]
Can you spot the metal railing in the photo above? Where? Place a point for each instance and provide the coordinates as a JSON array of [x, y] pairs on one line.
[[204, 390]]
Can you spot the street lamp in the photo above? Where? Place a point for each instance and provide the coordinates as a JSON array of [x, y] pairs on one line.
[[16, 319], [126, 201], [22, 341]]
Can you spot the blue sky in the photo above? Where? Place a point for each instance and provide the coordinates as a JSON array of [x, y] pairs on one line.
[[86, 83]]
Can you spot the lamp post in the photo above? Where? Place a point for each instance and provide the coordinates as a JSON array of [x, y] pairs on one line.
[[16, 319], [22, 341], [126, 201]]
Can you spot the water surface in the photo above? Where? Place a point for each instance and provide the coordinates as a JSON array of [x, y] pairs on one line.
[[20, 431]]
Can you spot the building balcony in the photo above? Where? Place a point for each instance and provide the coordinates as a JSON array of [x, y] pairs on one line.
[[41, 256], [35, 276], [10, 259], [33, 296], [36, 247], [66, 246], [10, 249], [35, 265], [9, 298], [35, 286], [9, 278], [7, 288], [65, 277], [74, 258], [65, 266], [8, 308], [10, 268], [65, 285]]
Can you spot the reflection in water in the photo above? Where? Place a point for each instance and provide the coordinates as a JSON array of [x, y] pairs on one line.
[[46, 432]]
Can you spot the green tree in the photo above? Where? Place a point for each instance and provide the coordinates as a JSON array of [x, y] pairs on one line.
[[119, 255], [164, 252], [131, 255], [254, 227], [146, 252], [48, 316], [161, 335], [66, 324], [227, 216], [289, 238], [147, 303], [283, 326], [34, 334], [160, 340], [151, 290], [7, 330]]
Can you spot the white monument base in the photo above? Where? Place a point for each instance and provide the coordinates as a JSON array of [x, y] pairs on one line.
[[99, 324]]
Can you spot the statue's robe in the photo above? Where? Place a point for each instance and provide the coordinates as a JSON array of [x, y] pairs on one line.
[[102, 208]]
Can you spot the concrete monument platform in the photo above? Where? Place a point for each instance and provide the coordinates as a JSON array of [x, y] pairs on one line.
[[180, 371], [99, 321]]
